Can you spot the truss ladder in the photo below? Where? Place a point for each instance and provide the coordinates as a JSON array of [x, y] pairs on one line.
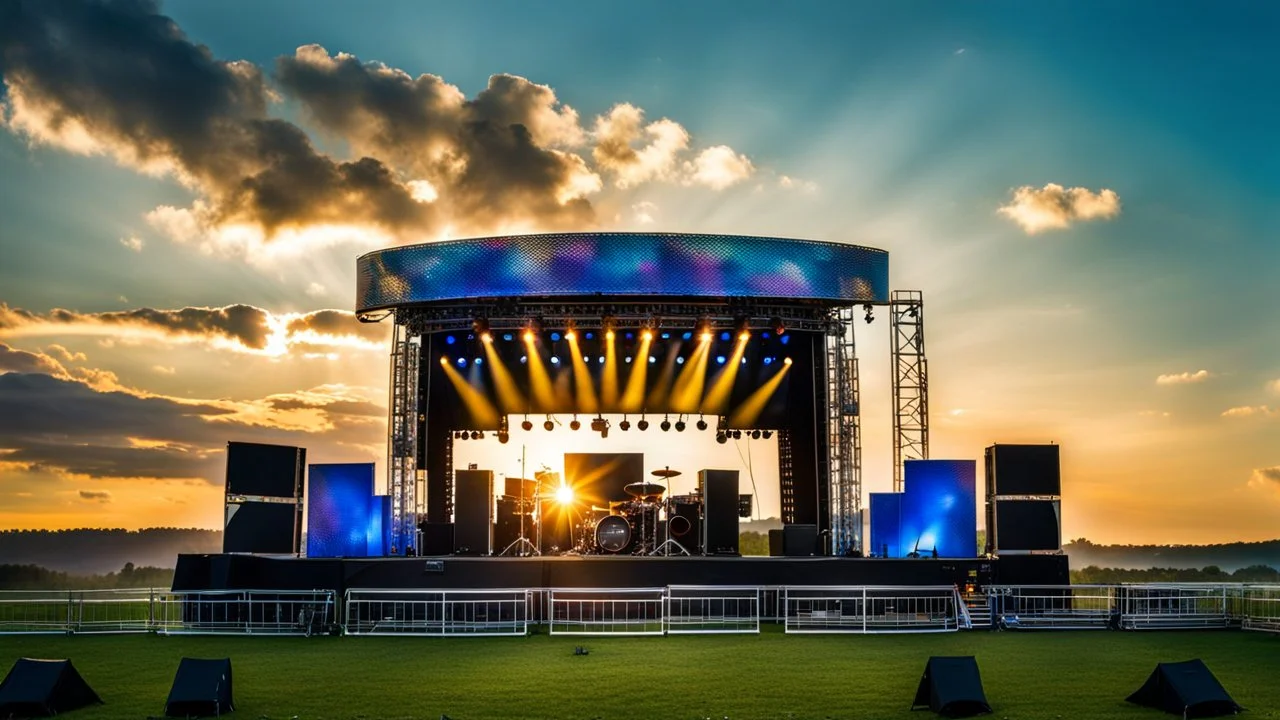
[[910, 381], [402, 440]]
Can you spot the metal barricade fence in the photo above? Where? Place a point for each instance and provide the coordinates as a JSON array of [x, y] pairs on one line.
[[437, 612], [706, 609], [1053, 607], [870, 609], [239, 612], [1260, 608], [1177, 606], [605, 611]]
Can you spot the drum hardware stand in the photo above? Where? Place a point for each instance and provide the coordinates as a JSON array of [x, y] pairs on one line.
[[522, 546], [665, 548]]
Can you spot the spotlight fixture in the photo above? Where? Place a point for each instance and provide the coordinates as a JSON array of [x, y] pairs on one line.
[[503, 436], [574, 424], [608, 323], [742, 326], [625, 425], [476, 434], [642, 425], [767, 434], [702, 424], [779, 328], [599, 424], [528, 336], [666, 424], [548, 425], [680, 425], [480, 326], [913, 311], [570, 333], [755, 434], [786, 361], [459, 435], [526, 425], [737, 434], [869, 317], [721, 437]]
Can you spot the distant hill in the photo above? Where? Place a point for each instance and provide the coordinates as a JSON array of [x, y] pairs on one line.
[[1229, 556], [97, 552]]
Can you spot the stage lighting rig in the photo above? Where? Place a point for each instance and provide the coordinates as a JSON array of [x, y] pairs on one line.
[[680, 424], [480, 326], [503, 436], [526, 425], [666, 424], [625, 425], [742, 327], [702, 424], [574, 424], [476, 435], [779, 328], [767, 434], [642, 425], [548, 425], [600, 425], [755, 434], [721, 437]]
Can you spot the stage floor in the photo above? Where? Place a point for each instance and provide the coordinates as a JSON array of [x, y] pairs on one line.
[[223, 572]]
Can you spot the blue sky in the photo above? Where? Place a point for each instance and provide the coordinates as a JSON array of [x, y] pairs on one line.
[[905, 126]]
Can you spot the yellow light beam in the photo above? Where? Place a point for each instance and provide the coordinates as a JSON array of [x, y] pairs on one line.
[[687, 390], [633, 396], [722, 385], [609, 376], [660, 397], [539, 382], [482, 411], [749, 411], [509, 394], [586, 391]]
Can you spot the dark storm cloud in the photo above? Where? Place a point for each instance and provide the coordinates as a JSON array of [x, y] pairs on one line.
[[358, 408], [491, 160], [339, 323], [117, 76], [244, 324], [100, 495]]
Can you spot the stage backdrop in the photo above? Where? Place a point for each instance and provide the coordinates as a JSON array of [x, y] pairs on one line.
[[939, 508], [344, 517]]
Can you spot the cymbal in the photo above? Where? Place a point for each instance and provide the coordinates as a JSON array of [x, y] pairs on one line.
[[666, 473], [644, 489]]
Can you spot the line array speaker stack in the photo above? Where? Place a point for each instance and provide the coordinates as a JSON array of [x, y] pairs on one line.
[[264, 498], [1024, 500], [720, 511], [473, 512]]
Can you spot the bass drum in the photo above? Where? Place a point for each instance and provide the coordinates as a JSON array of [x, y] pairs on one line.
[[613, 533]]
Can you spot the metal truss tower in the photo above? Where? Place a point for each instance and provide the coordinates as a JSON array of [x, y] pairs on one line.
[[402, 439], [910, 381], [844, 442]]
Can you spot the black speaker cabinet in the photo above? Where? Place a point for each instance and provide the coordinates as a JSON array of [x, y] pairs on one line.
[[686, 527], [720, 511], [473, 512], [799, 540], [437, 538]]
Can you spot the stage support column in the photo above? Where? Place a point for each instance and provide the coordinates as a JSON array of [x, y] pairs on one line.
[[844, 445], [910, 380], [402, 442]]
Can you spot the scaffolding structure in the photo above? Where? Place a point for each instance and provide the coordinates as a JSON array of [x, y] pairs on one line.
[[844, 447], [910, 381], [402, 445]]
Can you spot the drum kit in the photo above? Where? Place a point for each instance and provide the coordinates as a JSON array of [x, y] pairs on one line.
[[649, 522]]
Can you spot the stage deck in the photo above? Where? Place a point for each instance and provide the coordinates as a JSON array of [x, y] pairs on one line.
[[258, 572]]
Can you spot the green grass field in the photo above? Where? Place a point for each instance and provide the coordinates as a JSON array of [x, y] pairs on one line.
[[1026, 675]]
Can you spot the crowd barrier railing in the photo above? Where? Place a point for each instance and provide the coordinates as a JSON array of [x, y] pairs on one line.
[[478, 613], [871, 609]]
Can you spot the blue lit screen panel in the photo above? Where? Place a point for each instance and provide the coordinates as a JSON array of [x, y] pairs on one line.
[[886, 525], [340, 510], [379, 531], [939, 506]]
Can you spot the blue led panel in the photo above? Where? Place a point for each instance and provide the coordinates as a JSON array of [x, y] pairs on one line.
[[938, 508], [886, 525], [341, 508], [622, 264]]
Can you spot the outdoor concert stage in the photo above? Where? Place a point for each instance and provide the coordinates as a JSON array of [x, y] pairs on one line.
[[257, 572]]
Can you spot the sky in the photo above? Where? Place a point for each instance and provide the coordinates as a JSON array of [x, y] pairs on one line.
[[1087, 194]]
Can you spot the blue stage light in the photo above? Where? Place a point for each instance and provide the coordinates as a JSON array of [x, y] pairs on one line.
[[524, 359], [507, 336], [449, 339], [687, 336], [628, 359], [591, 336], [479, 361], [601, 360], [768, 361], [679, 361], [765, 334], [555, 337], [719, 359], [652, 359], [555, 360], [785, 339], [630, 336], [666, 336], [725, 335], [462, 362]]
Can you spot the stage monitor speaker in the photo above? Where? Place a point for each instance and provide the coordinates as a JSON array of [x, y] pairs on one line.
[[1026, 526], [799, 540], [776, 543], [437, 538], [1023, 470], [256, 469], [201, 688], [272, 528], [951, 686], [720, 511], [686, 527], [41, 688], [472, 512]]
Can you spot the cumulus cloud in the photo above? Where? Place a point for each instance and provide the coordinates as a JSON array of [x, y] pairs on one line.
[[718, 167], [117, 78], [1054, 207], [644, 212], [99, 495], [13, 360], [1250, 411], [64, 354], [240, 327], [1266, 478], [132, 242], [1183, 378]]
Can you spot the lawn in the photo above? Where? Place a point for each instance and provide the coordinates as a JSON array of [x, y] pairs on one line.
[[1026, 675]]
